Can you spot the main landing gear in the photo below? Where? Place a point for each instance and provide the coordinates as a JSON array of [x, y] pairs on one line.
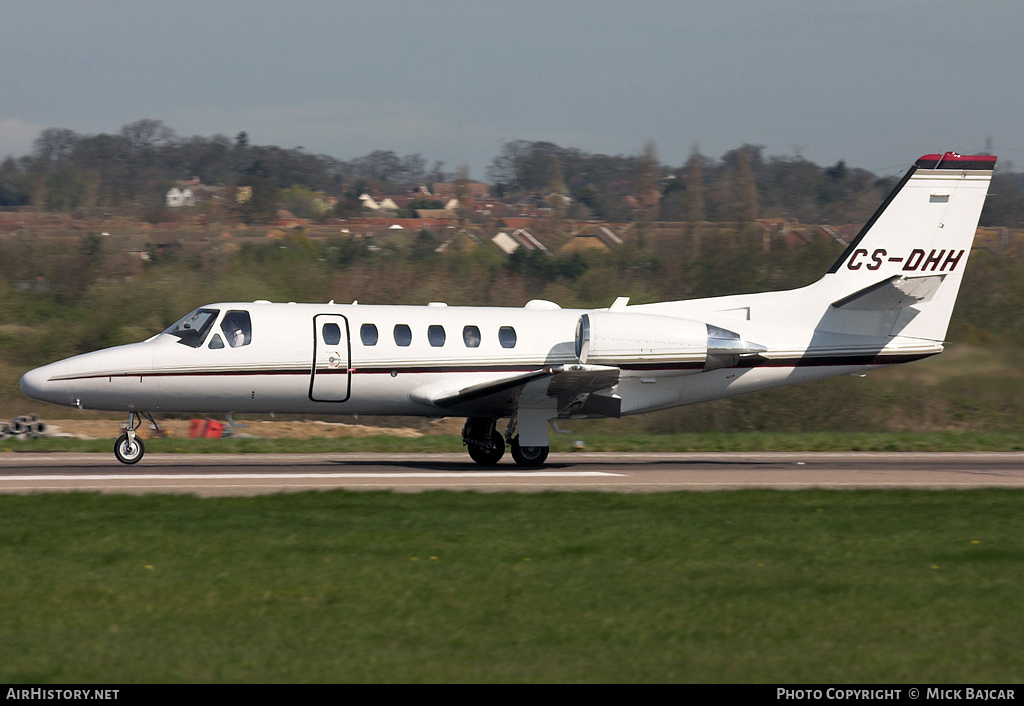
[[532, 456], [486, 445], [129, 448]]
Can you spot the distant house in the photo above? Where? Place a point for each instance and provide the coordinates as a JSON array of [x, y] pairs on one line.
[[462, 240], [605, 234], [190, 192], [385, 204], [519, 238], [592, 237], [176, 198]]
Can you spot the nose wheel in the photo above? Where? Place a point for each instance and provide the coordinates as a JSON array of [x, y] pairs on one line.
[[128, 448]]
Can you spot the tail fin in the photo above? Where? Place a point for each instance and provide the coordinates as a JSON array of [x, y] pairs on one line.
[[901, 274]]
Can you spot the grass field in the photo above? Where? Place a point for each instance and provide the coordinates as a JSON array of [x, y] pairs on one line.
[[743, 586]]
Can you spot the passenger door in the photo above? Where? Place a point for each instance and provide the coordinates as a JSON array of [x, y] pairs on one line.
[[331, 376]]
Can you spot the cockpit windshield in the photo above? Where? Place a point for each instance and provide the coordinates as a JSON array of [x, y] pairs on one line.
[[193, 328]]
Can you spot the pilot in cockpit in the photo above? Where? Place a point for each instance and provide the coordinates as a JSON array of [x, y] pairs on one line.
[[235, 336], [235, 330]]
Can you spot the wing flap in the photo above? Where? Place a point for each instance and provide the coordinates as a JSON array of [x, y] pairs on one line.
[[473, 393], [573, 386]]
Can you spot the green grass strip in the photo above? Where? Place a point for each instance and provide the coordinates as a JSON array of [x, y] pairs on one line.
[[742, 586]]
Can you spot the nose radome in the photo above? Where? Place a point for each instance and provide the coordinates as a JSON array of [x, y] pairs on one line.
[[32, 383], [38, 385]]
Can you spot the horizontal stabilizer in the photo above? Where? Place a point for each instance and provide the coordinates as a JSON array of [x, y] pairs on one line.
[[893, 293]]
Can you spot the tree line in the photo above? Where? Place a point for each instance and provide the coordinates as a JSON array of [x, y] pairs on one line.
[[84, 174]]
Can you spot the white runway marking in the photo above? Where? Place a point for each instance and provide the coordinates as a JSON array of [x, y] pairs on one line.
[[295, 476]]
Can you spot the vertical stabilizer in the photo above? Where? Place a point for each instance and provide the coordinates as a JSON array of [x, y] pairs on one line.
[[901, 274]]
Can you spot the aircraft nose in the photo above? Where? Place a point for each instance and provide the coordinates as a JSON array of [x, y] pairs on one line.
[[39, 385]]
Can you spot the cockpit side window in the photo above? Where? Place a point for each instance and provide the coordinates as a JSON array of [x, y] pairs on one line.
[[192, 329], [237, 328]]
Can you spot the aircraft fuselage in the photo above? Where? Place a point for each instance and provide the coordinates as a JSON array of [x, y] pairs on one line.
[[396, 360]]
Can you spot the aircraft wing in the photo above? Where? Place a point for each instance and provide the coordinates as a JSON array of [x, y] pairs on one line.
[[475, 393], [576, 386], [573, 386]]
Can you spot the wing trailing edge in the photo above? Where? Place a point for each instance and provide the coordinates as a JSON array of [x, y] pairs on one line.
[[572, 385], [473, 393]]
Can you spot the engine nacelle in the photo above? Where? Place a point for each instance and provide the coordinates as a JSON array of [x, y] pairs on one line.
[[610, 338], [657, 342]]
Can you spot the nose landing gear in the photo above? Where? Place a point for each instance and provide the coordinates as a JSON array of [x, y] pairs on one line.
[[128, 448]]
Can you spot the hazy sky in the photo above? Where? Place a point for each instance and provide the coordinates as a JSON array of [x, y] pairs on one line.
[[874, 83]]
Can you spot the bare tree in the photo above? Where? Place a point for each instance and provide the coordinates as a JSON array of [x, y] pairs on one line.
[[744, 190], [145, 134], [695, 186], [647, 193], [462, 196], [54, 145]]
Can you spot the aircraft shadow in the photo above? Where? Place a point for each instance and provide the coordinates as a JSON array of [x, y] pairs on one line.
[[470, 466]]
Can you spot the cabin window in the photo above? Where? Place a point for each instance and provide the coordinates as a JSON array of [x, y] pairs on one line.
[[191, 330], [332, 334], [471, 336], [368, 334], [507, 337], [403, 334], [237, 328], [435, 335]]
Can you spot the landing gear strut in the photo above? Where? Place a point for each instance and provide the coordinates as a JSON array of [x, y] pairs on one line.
[[485, 444], [128, 448], [527, 456]]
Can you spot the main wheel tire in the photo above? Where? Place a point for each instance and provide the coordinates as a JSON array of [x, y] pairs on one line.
[[531, 456], [488, 455], [127, 452]]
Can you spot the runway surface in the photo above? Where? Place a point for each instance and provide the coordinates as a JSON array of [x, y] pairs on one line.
[[252, 474]]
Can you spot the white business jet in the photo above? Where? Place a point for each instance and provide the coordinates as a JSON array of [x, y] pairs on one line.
[[886, 300]]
